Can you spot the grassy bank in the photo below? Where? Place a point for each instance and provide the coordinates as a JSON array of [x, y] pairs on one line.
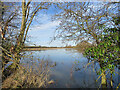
[[38, 48], [29, 76]]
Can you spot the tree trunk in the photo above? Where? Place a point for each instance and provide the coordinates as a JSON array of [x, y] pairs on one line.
[[103, 80], [103, 76], [111, 83], [19, 43]]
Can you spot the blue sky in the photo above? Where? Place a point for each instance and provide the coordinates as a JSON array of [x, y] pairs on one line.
[[42, 30]]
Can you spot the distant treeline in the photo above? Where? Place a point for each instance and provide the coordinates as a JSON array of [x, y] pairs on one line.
[[41, 47], [83, 45], [38, 47]]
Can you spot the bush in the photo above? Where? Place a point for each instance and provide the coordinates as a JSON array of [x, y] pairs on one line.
[[35, 76]]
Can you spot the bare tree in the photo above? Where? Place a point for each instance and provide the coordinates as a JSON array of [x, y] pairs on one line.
[[12, 21], [86, 21], [82, 20]]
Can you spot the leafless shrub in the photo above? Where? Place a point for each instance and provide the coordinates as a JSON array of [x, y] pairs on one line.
[[34, 76]]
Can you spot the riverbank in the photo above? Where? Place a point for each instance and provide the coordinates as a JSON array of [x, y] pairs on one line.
[[39, 49], [81, 50]]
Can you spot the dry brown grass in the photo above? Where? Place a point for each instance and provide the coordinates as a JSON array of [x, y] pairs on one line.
[[29, 76]]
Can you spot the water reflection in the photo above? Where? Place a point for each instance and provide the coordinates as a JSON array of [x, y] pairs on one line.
[[67, 68]]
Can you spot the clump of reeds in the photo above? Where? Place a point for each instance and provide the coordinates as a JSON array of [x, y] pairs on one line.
[[29, 76]]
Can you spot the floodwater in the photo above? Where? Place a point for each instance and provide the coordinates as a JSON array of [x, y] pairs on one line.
[[68, 68]]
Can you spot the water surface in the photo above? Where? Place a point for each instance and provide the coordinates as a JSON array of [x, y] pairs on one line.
[[68, 69]]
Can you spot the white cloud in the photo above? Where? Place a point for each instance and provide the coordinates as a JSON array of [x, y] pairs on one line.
[[43, 18], [41, 33], [44, 22], [47, 25]]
